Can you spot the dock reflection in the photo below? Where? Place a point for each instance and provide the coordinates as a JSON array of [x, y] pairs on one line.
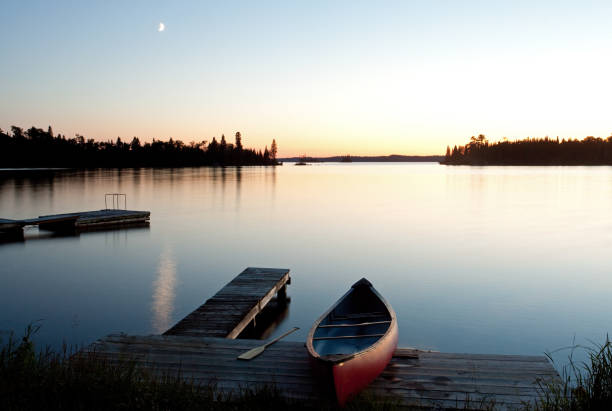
[[272, 316], [35, 234]]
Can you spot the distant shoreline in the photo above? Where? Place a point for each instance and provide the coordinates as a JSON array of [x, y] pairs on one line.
[[36, 148], [393, 158]]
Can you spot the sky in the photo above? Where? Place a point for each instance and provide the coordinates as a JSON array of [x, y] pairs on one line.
[[320, 77]]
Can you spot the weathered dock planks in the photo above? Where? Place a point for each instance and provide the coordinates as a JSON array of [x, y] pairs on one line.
[[228, 312], [428, 379], [95, 218], [78, 220]]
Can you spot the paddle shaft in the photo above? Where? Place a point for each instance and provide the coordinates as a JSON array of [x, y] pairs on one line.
[[254, 352], [281, 336]]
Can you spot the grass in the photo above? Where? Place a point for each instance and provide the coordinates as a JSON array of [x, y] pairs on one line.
[[582, 386]]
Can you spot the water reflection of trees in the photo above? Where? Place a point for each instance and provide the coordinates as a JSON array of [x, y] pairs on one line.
[[238, 186]]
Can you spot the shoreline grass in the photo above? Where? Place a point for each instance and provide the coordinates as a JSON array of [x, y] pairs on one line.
[[586, 385]]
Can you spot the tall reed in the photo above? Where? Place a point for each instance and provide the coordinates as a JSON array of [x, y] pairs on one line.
[[585, 385]]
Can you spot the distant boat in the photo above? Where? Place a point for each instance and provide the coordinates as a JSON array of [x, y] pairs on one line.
[[352, 343], [302, 161], [346, 159]]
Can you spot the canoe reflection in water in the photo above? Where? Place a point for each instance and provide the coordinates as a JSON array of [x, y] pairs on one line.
[[352, 343]]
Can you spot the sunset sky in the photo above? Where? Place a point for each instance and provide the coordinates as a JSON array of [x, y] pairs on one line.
[[322, 78]]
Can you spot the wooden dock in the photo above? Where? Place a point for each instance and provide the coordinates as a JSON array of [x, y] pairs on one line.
[[195, 349], [77, 221], [229, 311], [428, 379]]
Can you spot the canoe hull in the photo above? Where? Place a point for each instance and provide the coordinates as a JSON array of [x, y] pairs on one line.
[[352, 343], [353, 375]]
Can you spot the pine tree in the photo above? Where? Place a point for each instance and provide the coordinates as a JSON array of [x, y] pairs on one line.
[[455, 153], [135, 144], [223, 143], [273, 150], [17, 132], [238, 140]]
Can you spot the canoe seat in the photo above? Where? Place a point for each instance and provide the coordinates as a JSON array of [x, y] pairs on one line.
[[340, 337], [354, 325], [359, 316]]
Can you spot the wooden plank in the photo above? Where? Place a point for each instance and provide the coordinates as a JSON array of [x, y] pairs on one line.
[[299, 375], [279, 361], [106, 222], [229, 311], [303, 375], [283, 362], [485, 357], [295, 349]]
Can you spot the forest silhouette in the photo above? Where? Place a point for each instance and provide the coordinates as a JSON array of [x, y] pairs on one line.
[[36, 147], [532, 151]]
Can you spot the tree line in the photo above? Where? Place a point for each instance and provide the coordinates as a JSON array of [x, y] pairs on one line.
[[532, 151], [36, 147]]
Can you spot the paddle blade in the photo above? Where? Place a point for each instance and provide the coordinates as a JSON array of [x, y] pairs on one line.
[[249, 355]]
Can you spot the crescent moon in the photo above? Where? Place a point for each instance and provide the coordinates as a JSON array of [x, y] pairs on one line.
[[161, 27]]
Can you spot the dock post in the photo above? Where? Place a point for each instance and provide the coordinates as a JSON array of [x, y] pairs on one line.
[[11, 230], [281, 295], [11, 235]]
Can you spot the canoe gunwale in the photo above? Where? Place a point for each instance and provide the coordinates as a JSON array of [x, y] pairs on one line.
[[339, 358], [342, 337], [354, 325]]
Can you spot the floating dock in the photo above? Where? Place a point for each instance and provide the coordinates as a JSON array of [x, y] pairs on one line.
[[82, 220], [195, 350]]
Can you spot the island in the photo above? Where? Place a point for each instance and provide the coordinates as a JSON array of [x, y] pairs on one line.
[[531, 152]]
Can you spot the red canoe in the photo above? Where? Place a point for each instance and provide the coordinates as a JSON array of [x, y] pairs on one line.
[[354, 340]]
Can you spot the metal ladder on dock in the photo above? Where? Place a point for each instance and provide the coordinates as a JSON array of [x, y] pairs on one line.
[[115, 201]]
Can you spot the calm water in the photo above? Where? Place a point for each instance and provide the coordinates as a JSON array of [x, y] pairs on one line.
[[512, 260]]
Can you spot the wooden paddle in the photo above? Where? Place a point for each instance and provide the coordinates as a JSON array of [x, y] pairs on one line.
[[249, 355]]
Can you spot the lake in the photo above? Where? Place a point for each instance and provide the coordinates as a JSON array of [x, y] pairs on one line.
[[506, 260]]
